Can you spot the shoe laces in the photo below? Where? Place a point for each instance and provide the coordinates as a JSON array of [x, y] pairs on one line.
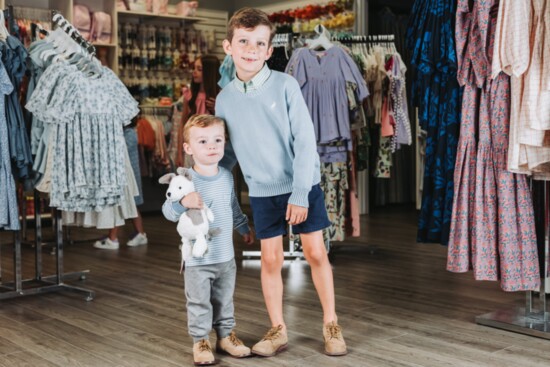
[[334, 331], [204, 346], [273, 333], [234, 340]]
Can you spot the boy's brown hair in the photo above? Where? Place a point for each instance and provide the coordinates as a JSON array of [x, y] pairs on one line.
[[201, 121], [249, 18]]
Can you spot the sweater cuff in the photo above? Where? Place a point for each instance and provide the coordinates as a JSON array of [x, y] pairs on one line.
[[178, 208], [299, 197], [243, 229]]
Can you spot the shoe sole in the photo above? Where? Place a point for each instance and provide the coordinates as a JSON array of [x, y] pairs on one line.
[[141, 244], [209, 363], [279, 350], [221, 351], [336, 354]]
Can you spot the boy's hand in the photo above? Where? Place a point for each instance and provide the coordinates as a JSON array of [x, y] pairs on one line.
[[192, 200], [295, 214], [248, 238]]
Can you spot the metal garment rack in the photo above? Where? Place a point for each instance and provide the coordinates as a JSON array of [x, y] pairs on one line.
[[42, 284], [529, 320], [291, 253], [39, 284]]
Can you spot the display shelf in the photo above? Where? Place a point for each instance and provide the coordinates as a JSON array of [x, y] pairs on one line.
[[153, 106], [99, 44], [144, 14]]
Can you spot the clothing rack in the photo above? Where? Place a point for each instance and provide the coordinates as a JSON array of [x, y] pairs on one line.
[[40, 284], [529, 320], [372, 39], [156, 110], [293, 250], [21, 12]]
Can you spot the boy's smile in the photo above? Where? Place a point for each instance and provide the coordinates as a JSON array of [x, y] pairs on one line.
[[249, 49]]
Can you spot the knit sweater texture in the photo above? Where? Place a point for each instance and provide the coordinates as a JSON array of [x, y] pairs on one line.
[[271, 135]]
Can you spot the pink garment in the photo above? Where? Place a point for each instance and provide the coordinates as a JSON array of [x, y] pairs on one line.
[[387, 122], [82, 20], [200, 104], [101, 28], [492, 227]]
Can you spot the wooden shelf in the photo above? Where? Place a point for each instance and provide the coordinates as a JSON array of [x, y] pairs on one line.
[[96, 44], [154, 106], [159, 16]]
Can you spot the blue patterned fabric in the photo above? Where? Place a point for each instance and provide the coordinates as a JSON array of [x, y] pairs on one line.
[[14, 56], [9, 215], [131, 138], [86, 118], [437, 94]]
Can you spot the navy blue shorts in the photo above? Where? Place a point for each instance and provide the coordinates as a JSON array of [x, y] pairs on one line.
[[269, 214]]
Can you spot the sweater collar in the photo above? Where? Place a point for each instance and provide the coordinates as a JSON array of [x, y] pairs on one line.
[[255, 83]]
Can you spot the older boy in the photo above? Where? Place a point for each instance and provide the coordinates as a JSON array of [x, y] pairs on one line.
[[272, 137]]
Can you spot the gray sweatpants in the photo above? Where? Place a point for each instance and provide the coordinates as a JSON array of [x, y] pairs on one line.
[[209, 292]]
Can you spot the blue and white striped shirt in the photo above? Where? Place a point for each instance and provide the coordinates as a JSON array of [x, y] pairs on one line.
[[218, 194]]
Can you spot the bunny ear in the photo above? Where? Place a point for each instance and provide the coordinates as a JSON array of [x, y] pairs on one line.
[[166, 178], [185, 173]]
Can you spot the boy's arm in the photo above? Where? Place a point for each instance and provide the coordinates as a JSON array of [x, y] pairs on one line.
[[173, 210], [305, 146], [229, 159], [240, 220]]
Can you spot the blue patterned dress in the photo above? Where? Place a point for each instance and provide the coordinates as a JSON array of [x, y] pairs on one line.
[[437, 94], [9, 214]]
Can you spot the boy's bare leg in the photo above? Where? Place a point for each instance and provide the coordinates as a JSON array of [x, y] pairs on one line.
[[272, 280], [315, 253]]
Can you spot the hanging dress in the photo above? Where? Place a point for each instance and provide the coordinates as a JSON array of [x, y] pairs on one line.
[[9, 213], [437, 94], [493, 223]]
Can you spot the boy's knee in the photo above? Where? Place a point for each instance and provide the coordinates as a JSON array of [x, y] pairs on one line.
[[272, 261], [316, 256]]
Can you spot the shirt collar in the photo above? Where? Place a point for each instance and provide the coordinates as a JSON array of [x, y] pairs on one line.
[[256, 82]]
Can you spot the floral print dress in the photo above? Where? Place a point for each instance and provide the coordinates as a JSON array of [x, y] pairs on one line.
[[492, 230]]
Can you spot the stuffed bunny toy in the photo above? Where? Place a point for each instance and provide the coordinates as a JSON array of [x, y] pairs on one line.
[[194, 223]]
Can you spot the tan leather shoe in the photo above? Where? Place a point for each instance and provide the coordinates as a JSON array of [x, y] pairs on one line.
[[275, 341], [202, 353], [232, 346], [334, 340]]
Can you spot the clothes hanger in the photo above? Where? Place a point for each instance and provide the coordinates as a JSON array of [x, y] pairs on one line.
[[322, 41], [47, 53]]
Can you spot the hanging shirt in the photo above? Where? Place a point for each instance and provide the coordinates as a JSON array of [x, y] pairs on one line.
[[322, 77]]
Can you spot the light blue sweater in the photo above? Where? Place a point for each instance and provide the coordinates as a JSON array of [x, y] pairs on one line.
[[218, 194], [271, 135]]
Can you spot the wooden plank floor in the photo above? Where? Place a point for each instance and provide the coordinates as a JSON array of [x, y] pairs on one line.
[[398, 307]]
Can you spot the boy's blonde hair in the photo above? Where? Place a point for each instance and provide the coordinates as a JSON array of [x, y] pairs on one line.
[[249, 18], [201, 121]]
